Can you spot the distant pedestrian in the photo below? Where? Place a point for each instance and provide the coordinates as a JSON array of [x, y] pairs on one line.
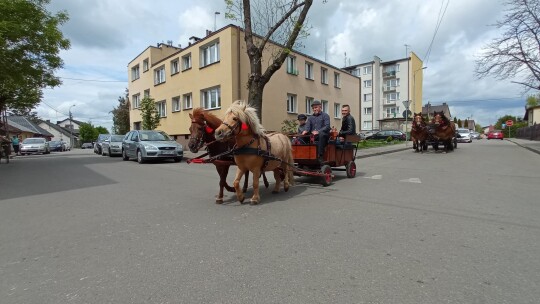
[[15, 144]]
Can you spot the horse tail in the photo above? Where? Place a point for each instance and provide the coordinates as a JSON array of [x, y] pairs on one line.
[[289, 166]]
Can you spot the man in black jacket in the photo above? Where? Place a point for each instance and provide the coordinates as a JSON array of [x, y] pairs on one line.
[[348, 125], [318, 124]]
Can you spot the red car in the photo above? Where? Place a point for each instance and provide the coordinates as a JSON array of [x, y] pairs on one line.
[[495, 134]]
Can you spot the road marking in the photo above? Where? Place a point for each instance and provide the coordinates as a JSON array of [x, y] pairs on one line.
[[374, 177], [415, 180]]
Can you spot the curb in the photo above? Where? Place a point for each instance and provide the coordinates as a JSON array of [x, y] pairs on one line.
[[383, 152], [530, 149]]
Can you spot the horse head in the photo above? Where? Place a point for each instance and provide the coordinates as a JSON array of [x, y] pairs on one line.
[[440, 118], [201, 129], [418, 119], [240, 120]]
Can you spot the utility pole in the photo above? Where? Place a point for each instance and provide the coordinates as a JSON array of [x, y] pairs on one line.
[[71, 128]]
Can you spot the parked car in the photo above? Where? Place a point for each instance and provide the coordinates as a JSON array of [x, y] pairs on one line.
[[145, 145], [365, 134], [112, 145], [394, 134], [99, 141], [87, 146], [495, 134], [56, 146], [475, 135], [464, 135], [65, 145], [34, 145]]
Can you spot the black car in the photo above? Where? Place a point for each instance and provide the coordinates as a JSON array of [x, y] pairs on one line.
[[55, 145], [87, 146], [100, 139], [394, 134]]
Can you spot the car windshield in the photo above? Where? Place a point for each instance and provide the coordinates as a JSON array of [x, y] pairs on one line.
[[33, 141], [154, 136], [52, 142], [117, 138], [463, 131]]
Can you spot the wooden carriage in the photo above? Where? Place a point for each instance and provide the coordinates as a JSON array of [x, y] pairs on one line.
[[337, 156]]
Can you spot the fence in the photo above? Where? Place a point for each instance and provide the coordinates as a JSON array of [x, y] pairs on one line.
[[531, 133]]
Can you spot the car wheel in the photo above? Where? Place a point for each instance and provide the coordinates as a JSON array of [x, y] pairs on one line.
[[140, 158], [124, 155], [109, 152]]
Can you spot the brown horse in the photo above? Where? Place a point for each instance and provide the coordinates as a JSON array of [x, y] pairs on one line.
[[203, 126], [419, 133], [256, 151], [444, 130]]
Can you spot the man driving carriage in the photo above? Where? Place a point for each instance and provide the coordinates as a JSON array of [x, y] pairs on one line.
[[318, 125]]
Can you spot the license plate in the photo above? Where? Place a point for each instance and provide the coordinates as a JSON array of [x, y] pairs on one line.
[[167, 152]]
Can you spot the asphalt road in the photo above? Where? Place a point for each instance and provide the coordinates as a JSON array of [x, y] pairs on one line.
[[461, 227]]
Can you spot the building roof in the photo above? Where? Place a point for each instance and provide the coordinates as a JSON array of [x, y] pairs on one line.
[[25, 125], [58, 128], [429, 108]]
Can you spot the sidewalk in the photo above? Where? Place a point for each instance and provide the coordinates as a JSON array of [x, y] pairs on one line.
[[532, 145]]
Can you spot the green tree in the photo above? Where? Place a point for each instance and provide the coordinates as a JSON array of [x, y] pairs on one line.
[[101, 130], [532, 101], [459, 123], [466, 124], [121, 115], [517, 51], [149, 114], [262, 20], [455, 120], [87, 132], [510, 131], [30, 45]]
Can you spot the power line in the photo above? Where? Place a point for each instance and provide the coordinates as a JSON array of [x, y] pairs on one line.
[[439, 21], [93, 80], [475, 100]]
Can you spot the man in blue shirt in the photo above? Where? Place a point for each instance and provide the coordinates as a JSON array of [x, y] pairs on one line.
[[318, 124]]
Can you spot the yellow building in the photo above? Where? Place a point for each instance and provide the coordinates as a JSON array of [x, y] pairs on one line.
[[212, 72]]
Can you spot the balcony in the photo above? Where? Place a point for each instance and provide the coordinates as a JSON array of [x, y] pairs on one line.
[[389, 88], [389, 74], [388, 102]]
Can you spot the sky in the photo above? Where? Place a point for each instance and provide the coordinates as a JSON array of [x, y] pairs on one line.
[[106, 35]]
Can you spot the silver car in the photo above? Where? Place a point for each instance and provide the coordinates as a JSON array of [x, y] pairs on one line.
[[464, 135], [34, 145], [146, 145], [112, 145]]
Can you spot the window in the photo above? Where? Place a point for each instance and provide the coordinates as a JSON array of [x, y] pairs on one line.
[[324, 76], [159, 75], [367, 111], [161, 108], [291, 103], [211, 98], [145, 65], [324, 106], [337, 110], [309, 70], [309, 100], [136, 101], [368, 97], [186, 62], [209, 53], [137, 125], [390, 70], [367, 83], [356, 72], [337, 80], [175, 66], [291, 65], [392, 112], [391, 84], [147, 93], [367, 70], [135, 73], [176, 104], [188, 101], [367, 125], [392, 96]]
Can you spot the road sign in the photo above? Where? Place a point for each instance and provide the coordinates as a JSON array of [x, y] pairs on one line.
[[407, 113], [509, 122], [503, 125]]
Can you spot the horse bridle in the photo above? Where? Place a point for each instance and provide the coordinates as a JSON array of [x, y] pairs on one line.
[[236, 126], [200, 140]]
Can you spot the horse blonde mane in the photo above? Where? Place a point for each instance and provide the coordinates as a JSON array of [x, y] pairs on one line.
[[247, 114]]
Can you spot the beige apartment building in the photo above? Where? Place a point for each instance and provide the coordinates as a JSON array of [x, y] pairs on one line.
[[387, 88], [212, 72]]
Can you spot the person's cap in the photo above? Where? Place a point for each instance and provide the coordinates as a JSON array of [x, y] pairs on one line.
[[316, 103], [302, 117]]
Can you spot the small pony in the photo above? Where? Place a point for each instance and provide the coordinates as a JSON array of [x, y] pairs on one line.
[[444, 130], [256, 151], [203, 126], [419, 133]]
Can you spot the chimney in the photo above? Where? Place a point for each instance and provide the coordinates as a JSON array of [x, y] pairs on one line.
[[208, 32]]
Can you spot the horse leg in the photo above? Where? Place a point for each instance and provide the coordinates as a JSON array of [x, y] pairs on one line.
[[239, 193], [265, 180], [222, 171], [246, 180], [256, 176], [277, 177]]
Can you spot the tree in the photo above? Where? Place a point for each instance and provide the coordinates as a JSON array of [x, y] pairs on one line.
[[279, 20], [532, 101], [87, 132], [510, 131], [30, 43], [455, 119], [459, 123], [101, 130], [517, 52], [121, 115], [466, 124], [149, 114]]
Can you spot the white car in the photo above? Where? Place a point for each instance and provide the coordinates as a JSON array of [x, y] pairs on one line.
[[34, 145], [464, 135]]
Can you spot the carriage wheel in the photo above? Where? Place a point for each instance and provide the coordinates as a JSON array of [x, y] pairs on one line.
[[455, 142], [326, 179], [350, 169]]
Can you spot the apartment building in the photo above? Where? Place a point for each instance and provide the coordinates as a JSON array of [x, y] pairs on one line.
[[386, 88], [212, 72]]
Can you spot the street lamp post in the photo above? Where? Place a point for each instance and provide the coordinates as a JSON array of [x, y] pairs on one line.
[[71, 128], [406, 104], [215, 16]]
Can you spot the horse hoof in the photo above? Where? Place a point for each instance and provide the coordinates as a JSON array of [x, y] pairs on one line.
[[286, 188], [219, 200], [254, 202]]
